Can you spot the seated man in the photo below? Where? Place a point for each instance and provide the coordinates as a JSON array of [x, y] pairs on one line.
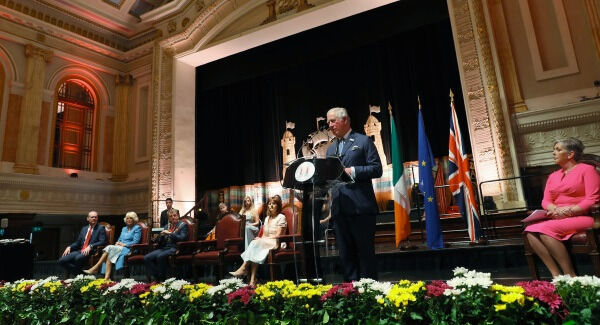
[[90, 237], [157, 261]]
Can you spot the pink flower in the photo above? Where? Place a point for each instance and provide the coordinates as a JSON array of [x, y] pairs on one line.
[[545, 292], [245, 294], [140, 288], [107, 285], [436, 288], [344, 289]]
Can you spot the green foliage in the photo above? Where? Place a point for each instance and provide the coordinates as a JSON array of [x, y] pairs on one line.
[[469, 298]]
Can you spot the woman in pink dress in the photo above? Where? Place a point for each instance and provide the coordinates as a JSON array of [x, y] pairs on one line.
[[258, 249], [569, 193]]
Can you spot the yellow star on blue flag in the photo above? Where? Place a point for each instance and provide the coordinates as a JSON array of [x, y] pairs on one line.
[[432, 219]]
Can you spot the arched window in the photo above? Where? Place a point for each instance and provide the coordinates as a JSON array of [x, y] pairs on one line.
[[74, 126]]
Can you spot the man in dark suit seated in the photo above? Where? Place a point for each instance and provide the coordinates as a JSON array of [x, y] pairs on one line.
[[354, 206], [90, 237], [157, 261], [164, 215]]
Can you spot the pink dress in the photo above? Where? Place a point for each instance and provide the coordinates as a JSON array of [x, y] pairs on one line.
[[581, 187]]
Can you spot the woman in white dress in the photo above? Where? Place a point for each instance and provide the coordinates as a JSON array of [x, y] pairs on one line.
[[256, 253], [252, 220], [115, 254]]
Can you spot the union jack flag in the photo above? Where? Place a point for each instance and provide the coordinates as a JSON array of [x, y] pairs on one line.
[[459, 178]]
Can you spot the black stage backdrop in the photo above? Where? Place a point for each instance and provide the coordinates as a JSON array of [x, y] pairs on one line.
[[390, 54]]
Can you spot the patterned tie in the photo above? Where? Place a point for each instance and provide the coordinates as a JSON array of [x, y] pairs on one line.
[[87, 238]]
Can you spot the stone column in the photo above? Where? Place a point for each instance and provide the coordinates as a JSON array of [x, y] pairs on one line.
[[120, 161], [489, 133], [161, 182], [31, 110]]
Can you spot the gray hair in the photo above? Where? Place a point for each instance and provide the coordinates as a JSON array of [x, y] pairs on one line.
[[174, 211], [339, 112], [572, 144], [131, 215]]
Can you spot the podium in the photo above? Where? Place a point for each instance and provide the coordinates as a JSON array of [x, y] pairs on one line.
[[314, 177]]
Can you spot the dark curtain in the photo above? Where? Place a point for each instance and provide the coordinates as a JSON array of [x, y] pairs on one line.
[[391, 54]]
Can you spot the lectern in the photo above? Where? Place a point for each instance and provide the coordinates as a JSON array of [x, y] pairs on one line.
[[314, 177]]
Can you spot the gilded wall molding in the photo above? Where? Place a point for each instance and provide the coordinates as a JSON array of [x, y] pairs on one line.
[[505, 56], [161, 181], [49, 21], [591, 7], [51, 195], [488, 134]]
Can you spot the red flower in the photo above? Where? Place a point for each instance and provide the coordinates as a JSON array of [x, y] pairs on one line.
[[245, 294], [343, 289], [139, 288], [545, 292], [107, 285], [436, 288]]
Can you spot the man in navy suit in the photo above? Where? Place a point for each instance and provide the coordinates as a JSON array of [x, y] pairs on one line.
[[90, 237], [353, 205], [157, 261]]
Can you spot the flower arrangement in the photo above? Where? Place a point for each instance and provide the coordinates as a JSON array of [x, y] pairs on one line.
[[469, 297]]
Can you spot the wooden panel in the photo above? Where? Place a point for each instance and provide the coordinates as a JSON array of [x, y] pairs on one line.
[[73, 115], [72, 136], [43, 135], [71, 159], [13, 113], [107, 156]]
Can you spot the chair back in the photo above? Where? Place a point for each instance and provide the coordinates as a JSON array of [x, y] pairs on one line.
[[110, 232], [229, 226], [191, 228], [591, 159], [293, 217], [145, 238]]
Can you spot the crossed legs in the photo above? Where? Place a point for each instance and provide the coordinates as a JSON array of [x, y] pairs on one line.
[[242, 271], [94, 269], [551, 251]]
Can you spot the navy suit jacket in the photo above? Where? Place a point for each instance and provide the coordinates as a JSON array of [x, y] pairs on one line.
[[179, 234], [358, 198], [98, 238]]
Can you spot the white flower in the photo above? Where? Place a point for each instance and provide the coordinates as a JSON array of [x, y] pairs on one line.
[[361, 290], [460, 270], [176, 284], [453, 292], [167, 296], [377, 297], [159, 289], [42, 282], [123, 284]]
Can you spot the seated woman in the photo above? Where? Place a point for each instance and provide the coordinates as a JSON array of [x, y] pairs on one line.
[[115, 254], [569, 193], [275, 225], [223, 209], [252, 220]]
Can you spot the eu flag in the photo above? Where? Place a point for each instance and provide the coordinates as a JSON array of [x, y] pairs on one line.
[[432, 217]]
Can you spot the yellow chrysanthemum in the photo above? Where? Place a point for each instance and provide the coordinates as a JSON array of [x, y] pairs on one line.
[[144, 295], [507, 289], [403, 292], [195, 291], [512, 297], [500, 307]]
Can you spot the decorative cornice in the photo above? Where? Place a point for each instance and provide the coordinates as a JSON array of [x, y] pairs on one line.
[[32, 50], [559, 117], [48, 21], [126, 80]]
